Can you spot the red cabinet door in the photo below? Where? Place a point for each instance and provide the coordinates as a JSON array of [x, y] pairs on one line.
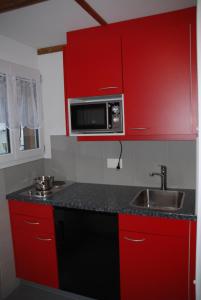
[[65, 68], [192, 258], [35, 257], [94, 64], [34, 242], [153, 267], [158, 62]]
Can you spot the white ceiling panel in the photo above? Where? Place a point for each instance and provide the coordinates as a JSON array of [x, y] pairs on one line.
[[45, 24], [119, 10]]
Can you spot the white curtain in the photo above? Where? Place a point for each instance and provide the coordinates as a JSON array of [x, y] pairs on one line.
[[4, 121], [27, 108]]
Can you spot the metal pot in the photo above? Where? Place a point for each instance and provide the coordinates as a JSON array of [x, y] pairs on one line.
[[44, 183]]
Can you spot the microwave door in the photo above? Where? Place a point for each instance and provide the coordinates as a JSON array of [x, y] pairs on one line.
[[86, 118]]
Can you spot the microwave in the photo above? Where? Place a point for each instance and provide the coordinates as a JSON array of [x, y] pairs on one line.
[[96, 116]]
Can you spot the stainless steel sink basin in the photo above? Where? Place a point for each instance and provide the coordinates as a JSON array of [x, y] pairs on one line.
[[159, 200]]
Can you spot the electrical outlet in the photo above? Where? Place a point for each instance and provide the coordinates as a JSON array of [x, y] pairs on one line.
[[113, 162]]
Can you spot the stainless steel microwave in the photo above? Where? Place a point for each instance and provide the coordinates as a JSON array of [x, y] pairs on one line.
[[96, 115]]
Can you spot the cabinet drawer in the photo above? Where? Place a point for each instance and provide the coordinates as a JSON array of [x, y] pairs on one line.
[[30, 209], [32, 224], [154, 225]]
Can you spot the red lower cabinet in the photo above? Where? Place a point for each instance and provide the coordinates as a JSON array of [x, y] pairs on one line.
[[154, 258], [35, 258], [34, 243], [192, 258]]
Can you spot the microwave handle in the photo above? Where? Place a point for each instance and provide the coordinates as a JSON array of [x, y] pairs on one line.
[[108, 117]]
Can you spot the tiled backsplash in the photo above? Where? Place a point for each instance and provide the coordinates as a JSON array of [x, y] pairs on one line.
[[87, 162], [22, 175]]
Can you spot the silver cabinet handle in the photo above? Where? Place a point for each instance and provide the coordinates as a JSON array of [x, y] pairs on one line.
[[31, 223], [44, 239], [108, 88], [138, 128], [134, 240]]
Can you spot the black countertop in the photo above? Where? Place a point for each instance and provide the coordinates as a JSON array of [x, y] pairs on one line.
[[107, 198]]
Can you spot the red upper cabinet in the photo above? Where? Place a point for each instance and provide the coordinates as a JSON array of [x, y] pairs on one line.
[[159, 79], [65, 67], [152, 61], [94, 64]]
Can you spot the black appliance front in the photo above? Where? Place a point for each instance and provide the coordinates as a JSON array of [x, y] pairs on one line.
[[88, 116], [88, 253]]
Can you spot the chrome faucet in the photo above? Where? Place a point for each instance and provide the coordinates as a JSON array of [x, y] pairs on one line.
[[163, 175]]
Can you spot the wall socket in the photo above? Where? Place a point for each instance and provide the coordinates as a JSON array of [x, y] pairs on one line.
[[113, 162]]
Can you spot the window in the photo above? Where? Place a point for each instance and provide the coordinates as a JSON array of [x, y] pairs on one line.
[[29, 138], [4, 139], [20, 114], [4, 132], [28, 113]]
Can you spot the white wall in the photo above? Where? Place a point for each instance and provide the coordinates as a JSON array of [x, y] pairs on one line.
[[7, 270], [198, 262], [51, 68], [18, 53]]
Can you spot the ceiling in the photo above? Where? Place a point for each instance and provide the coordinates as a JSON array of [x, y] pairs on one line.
[[45, 24]]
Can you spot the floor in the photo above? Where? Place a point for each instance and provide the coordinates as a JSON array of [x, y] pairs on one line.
[[24, 292]]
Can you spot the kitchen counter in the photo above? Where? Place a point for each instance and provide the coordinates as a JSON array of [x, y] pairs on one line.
[[107, 198]]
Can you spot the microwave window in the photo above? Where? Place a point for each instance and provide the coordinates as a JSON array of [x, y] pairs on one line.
[[88, 116]]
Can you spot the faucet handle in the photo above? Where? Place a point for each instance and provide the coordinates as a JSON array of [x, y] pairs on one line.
[[163, 167]]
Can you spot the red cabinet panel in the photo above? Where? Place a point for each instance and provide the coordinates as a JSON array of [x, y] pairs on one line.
[[31, 209], [94, 64], [35, 257], [32, 224], [158, 82], [159, 73], [65, 67], [156, 261], [192, 258], [153, 267], [152, 225], [34, 242]]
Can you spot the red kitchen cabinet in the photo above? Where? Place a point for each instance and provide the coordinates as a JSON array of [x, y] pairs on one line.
[[154, 258], [159, 71], [34, 242], [65, 63], [94, 66], [157, 67], [192, 258]]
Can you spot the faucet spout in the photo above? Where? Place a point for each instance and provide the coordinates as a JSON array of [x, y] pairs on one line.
[[163, 175]]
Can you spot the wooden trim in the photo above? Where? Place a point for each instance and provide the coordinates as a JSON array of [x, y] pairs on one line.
[[91, 12], [7, 5], [51, 49]]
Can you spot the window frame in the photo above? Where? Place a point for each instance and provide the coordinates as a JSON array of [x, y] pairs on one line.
[[17, 156]]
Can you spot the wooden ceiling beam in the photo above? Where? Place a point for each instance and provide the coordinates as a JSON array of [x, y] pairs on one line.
[[51, 49], [7, 5], [91, 12]]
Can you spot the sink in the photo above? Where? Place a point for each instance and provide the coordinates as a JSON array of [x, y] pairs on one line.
[[159, 200]]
